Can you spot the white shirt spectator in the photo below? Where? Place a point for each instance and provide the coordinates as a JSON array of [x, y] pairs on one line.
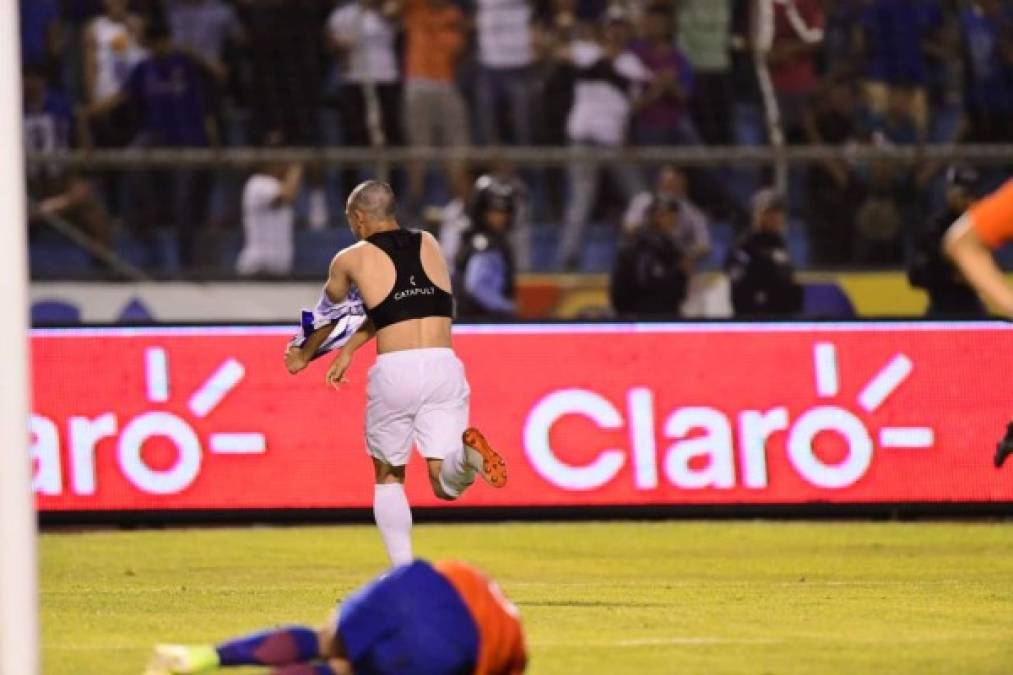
[[116, 54], [504, 33], [371, 57], [267, 224], [454, 221], [603, 95]]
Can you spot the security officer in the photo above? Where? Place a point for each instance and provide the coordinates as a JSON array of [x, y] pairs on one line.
[[649, 278], [760, 267], [949, 293], [484, 271]]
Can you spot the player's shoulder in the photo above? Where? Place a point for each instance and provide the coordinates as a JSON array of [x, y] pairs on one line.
[[428, 238], [349, 256]]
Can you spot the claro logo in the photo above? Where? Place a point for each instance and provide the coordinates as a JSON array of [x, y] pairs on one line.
[[84, 433], [715, 443]]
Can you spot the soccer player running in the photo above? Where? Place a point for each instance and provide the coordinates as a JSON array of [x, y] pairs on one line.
[[444, 618], [969, 242], [417, 391]]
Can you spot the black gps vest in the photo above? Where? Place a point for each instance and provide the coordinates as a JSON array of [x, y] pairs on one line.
[[414, 295]]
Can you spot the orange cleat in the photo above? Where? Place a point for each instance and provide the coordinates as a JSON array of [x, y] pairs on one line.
[[487, 461]]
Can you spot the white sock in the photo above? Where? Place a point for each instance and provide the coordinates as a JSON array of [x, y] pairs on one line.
[[458, 472], [394, 518]]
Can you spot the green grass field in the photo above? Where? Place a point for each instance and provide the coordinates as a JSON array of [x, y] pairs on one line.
[[619, 597]]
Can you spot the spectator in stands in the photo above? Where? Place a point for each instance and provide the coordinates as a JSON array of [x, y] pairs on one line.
[[506, 54], [896, 35], [988, 38], [787, 38], [451, 221], [284, 54], [484, 270], [170, 90], [843, 39], [435, 112], [556, 79], [42, 38], [705, 37], [203, 28], [691, 233], [891, 196], [649, 277], [663, 116], [268, 219], [946, 76], [112, 47], [833, 117], [611, 83], [759, 266], [930, 269], [362, 35], [50, 126]]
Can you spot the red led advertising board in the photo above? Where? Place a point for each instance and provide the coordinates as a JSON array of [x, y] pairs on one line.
[[605, 415]]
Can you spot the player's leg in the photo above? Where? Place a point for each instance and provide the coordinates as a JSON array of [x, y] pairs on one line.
[[392, 513], [454, 453], [285, 646], [391, 400], [1005, 447], [297, 650]]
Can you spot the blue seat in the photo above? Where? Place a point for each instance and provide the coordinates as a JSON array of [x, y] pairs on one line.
[[826, 301], [54, 312]]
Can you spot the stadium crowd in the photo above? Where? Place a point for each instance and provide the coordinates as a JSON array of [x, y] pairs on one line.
[[598, 73]]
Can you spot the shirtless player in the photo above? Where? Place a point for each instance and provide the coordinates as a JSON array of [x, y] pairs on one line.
[[417, 390], [987, 225]]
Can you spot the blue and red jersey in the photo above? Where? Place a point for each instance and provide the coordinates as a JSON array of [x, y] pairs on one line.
[[432, 619]]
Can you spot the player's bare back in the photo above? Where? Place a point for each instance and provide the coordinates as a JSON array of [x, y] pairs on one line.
[[373, 272]]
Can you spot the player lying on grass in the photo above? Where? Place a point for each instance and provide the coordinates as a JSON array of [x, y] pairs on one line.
[[417, 393], [444, 618]]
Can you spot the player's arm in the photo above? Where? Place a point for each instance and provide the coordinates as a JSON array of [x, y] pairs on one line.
[[297, 358], [339, 275], [975, 260], [336, 373], [339, 282]]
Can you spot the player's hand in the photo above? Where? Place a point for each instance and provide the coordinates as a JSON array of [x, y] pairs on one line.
[[295, 360], [336, 373]]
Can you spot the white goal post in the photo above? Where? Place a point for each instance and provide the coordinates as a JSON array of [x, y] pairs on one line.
[[19, 613]]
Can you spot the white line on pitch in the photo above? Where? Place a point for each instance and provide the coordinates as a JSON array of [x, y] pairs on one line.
[[238, 443], [906, 437], [214, 389], [885, 382], [156, 372], [654, 642]]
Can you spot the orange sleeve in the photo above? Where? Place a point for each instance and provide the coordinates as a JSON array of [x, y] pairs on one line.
[[993, 216], [501, 648]]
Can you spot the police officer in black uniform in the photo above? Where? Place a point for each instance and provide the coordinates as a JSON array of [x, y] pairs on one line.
[[484, 270], [649, 279], [760, 267], [949, 293]]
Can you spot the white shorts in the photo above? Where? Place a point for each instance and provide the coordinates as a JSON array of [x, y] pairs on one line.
[[416, 395]]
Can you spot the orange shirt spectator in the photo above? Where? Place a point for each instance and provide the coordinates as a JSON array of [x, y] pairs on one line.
[[434, 39]]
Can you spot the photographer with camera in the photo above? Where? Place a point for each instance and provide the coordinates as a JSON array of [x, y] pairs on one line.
[[949, 293]]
